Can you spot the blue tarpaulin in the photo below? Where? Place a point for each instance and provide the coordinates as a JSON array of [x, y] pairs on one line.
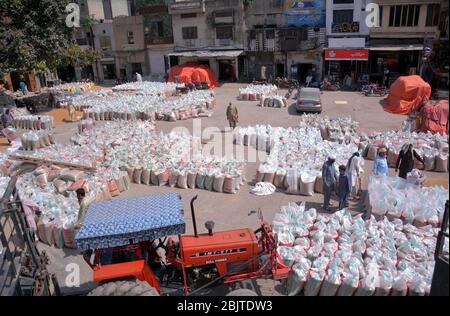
[[116, 223]]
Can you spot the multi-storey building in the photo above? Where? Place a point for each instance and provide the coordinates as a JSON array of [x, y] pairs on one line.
[[97, 33], [158, 36], [209, 32], [286, 37], [347, 33], [407, 27]]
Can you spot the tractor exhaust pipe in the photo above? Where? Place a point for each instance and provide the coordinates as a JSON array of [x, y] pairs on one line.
[[193, 216]]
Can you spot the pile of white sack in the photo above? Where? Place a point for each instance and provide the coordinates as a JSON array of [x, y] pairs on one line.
[[256, 92], [161, 159], [33, 140], [274, 101], [33, 122], [433, 149], [148, 88], [74, 87], [341, 255], [85, 124], [51, 190], [296, 155], [395, 198], [107, 107]]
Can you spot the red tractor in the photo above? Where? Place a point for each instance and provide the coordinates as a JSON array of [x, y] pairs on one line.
[[192, 263]]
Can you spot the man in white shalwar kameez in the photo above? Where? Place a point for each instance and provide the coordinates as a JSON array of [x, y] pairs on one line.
[[354, 172]]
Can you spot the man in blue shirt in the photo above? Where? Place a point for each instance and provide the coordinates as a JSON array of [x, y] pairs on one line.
[[344, 188], [329, 178], [380, 165]]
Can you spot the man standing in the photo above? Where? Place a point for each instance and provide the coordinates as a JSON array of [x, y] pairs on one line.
[[329, 178], [84, 205], [232, 115], [344, 188], [405, 161], [138, 77], [380, 165]]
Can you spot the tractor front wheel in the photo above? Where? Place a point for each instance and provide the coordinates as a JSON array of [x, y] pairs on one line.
[[125, 288]]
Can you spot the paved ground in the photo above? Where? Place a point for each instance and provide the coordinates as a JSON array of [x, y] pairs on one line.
[[231, 211]]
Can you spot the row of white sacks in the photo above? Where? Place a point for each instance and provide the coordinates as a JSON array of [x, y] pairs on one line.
[[33, 122], [147, 88], [296, 155], [33, 140], [129, 107], [161, 159], [341, 255], [256, 92], [395, 198], [274, 101], [433, 149]]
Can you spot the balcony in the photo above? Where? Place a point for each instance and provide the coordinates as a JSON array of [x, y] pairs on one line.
[[223, 18], [158, 40], [186, 6]]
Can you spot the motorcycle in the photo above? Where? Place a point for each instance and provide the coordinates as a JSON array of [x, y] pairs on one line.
[[330, 86], [374, 89]]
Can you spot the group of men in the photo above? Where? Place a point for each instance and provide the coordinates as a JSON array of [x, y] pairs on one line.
[[348, 180]]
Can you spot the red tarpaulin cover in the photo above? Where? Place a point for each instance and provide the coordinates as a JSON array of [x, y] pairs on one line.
[[406, 94], [191, 73], [435, 118]]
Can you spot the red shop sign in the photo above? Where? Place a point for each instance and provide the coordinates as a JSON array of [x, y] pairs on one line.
[[346, 54]]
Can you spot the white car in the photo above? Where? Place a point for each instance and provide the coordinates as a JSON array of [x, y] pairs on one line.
[[309, 101]]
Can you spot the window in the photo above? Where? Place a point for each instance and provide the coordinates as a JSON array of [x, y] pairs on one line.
[[105, 42], [404, 15], [342, 1], [188, 15], [276, 4], [130, 37], [433, 14], [253, 34], [189, 32], [270, 34], [107, 10], [342, 16], [223, 14], [225, 32]]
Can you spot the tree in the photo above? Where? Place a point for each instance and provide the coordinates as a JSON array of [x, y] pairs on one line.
[[33, 33], [75, 56]]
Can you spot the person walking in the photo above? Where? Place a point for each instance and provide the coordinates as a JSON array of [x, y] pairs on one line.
[[329, 179], [405, 161], [84, 205], [380, 165], [71, 110], [344, 187], [232, 115], [354, 170]]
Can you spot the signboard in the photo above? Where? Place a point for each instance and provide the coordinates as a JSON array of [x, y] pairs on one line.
[[305, 13], [293, 5], [346, 54]]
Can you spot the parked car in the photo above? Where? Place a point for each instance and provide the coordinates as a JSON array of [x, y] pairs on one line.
[[309, 100]]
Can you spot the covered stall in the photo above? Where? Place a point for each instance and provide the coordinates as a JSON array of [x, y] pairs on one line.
[[193, 73], [406, 95]]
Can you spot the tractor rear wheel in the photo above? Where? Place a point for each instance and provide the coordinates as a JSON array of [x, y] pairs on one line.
[[242, 292], [125, 288]]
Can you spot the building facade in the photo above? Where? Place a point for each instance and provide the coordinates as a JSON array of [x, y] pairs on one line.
[[406, 29], [97, 32], [209, 32], [346, 55]]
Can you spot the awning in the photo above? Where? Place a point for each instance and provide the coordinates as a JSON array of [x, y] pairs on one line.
[[209, 53], [397, 48]]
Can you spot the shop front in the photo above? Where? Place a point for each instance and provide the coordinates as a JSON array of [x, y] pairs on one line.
[[387, 63], [226, 65], [346, 65]]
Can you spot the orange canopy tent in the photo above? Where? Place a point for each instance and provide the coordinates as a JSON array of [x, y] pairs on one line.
[[435, 118], [191, 73], [406, 95]]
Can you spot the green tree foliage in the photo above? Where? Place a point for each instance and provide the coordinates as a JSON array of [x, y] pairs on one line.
[[33, 33], [75, 56]]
